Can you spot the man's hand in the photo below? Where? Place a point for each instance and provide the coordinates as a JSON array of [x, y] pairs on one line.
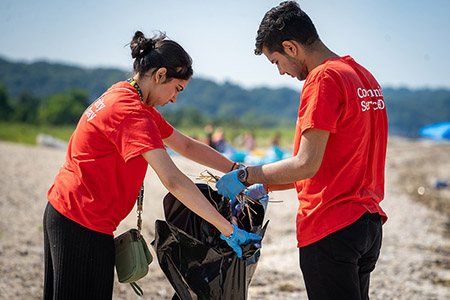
[[255, 192], [239, 238], [229, 185]]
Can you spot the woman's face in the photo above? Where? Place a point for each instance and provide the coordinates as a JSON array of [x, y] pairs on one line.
[[166, 91]]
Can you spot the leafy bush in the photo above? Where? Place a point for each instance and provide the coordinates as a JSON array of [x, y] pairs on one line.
[[61, 109]]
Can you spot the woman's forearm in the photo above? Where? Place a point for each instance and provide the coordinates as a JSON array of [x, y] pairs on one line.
[[198, 152], [185, 190], [187, 193]]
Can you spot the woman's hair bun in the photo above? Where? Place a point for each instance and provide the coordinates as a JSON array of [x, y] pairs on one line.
[[140, 45], [159, 52]]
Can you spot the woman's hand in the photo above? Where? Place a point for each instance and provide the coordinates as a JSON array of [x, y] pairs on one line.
[[229, 185], [240, 238]]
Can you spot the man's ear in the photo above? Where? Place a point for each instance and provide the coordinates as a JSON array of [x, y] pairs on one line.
[[160, 75], [290, 48]]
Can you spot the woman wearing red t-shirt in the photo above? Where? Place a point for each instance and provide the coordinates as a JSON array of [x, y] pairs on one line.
[[117, 137]]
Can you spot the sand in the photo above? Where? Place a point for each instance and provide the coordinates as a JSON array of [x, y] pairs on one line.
[[414, 263]]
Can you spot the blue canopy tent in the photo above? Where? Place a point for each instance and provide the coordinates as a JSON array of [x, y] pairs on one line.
[[438, 131]]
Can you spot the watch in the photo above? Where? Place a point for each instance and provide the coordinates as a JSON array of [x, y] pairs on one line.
[[242, 176]]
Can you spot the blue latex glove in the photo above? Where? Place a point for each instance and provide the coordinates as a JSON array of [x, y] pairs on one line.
[[255, 192], [229, 185], [239, 238]]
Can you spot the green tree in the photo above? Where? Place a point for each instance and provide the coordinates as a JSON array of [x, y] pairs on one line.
[[192, 117], [26, 108], [63, 109], [5, 106], [185, 116]]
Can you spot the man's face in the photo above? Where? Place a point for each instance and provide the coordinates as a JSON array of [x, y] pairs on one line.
[[291, 65]]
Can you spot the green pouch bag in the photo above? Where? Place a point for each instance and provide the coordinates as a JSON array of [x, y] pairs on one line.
[[132, 254], [132, 258]]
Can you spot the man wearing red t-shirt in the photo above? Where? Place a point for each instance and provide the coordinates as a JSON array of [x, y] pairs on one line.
[[338, 162]]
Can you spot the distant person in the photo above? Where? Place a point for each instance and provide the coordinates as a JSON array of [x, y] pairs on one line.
[[218, 139], [339, 157], [276, 140], [117, 137], [209, 130], [249, 141], [275, 149]]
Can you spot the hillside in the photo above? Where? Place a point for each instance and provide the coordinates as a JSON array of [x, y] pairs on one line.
[[43, 78], [408, 110]]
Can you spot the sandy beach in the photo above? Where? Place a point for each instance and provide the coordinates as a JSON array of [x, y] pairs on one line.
[[414, 263]]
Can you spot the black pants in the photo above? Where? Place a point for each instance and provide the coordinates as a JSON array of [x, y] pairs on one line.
[[79, 262], [339, 265]]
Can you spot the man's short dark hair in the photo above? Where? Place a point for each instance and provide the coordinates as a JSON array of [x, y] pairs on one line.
[[282, 23]]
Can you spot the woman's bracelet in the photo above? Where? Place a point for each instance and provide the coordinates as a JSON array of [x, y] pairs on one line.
[[238, 165]]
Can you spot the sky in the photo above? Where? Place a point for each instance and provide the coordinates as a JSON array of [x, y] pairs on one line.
[[404, 43]]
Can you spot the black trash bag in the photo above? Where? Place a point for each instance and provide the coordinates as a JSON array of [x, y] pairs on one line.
[[196, 261]]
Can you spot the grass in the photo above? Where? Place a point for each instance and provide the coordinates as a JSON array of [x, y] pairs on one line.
[[27, 133]]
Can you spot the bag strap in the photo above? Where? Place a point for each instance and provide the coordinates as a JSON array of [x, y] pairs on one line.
[[140, 198], [137, 289], [139, 203], [139, 206]]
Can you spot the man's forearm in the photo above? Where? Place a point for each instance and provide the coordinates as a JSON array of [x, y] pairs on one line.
[[285, 171], [301, 166]]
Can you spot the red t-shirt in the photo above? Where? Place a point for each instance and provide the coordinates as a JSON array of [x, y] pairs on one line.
[[342, 97], [98, 185]]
